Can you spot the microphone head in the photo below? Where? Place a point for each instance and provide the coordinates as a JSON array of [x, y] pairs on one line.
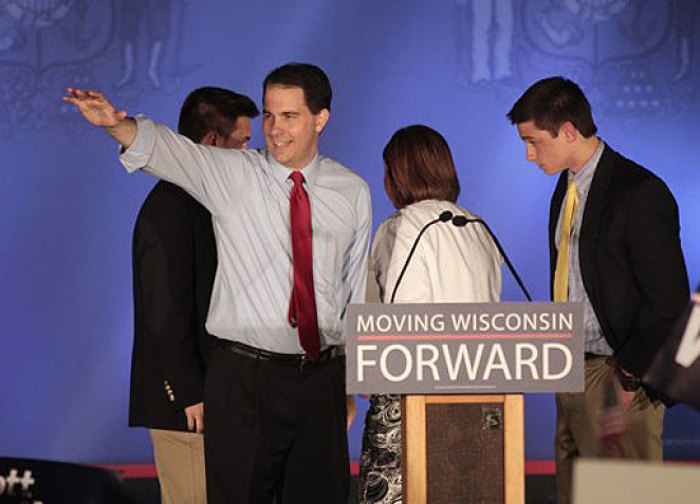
[[445, 216], [459, 220]]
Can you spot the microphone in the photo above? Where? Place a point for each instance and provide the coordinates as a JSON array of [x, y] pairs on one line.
[[445, 216], [462, 220]]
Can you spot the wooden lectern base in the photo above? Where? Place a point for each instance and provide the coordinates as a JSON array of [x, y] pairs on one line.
[[463, 449]]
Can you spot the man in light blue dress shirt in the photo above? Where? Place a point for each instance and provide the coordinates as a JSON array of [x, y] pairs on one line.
[[275, 423]]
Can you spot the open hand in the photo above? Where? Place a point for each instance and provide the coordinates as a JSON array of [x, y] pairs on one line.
[[95, 107]]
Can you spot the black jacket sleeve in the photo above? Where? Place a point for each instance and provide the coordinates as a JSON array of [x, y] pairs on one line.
[[165, 269], [659, 272]]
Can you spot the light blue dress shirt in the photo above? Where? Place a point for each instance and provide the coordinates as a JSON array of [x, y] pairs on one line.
[[247, 193], [594, 341]]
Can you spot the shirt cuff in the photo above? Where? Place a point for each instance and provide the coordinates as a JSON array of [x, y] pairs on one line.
[[138, 154]]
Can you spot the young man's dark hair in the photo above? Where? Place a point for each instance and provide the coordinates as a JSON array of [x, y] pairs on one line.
[[213, 109], [551, 102], [310, 78], [419, 166]]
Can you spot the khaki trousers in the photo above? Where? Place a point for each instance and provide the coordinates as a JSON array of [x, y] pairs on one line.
[[578, 427], [179, 458]]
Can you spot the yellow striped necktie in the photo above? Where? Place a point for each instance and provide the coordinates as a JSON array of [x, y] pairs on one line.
[[561, 274]]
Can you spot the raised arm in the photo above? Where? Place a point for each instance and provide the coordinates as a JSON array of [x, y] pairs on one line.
[[99, 111], [209, 174]]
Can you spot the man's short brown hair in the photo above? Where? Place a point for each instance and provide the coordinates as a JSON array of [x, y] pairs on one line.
[[551, 102]]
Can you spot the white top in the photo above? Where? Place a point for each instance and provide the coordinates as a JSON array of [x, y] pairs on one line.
[[247, 193], [450, 264]]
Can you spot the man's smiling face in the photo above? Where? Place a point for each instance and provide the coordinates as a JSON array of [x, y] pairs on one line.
[[291, 129]]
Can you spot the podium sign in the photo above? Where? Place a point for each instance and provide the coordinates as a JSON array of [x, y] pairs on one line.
[[465, 348]]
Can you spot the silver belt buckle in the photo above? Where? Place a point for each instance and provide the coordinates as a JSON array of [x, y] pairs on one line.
[[303, 360]]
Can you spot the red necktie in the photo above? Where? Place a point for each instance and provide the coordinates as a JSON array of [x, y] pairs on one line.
[[302, 305]]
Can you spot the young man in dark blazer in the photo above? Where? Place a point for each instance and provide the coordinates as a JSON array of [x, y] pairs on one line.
[[174, 262], [615, 247]]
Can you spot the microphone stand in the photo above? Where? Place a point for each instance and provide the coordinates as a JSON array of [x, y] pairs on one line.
[[445, 216], [461, 221]]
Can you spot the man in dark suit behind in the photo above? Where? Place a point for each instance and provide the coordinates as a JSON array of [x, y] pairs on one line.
[[615, 247], [174, 262]]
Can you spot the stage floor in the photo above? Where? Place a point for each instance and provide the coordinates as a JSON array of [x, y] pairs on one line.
[[539, 489]]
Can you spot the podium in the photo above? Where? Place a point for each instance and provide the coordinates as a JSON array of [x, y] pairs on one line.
[[463, 448], [461, 370]]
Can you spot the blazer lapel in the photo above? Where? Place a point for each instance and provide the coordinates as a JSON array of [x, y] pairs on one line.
[[598, 195]]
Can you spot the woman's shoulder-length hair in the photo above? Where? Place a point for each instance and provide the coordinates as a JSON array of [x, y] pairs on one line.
[[419, 166]]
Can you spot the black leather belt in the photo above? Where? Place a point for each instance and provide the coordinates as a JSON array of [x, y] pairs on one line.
[[591, 356], [292, 360]]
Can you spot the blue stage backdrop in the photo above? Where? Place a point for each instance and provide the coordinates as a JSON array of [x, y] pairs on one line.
[[456, 65]]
